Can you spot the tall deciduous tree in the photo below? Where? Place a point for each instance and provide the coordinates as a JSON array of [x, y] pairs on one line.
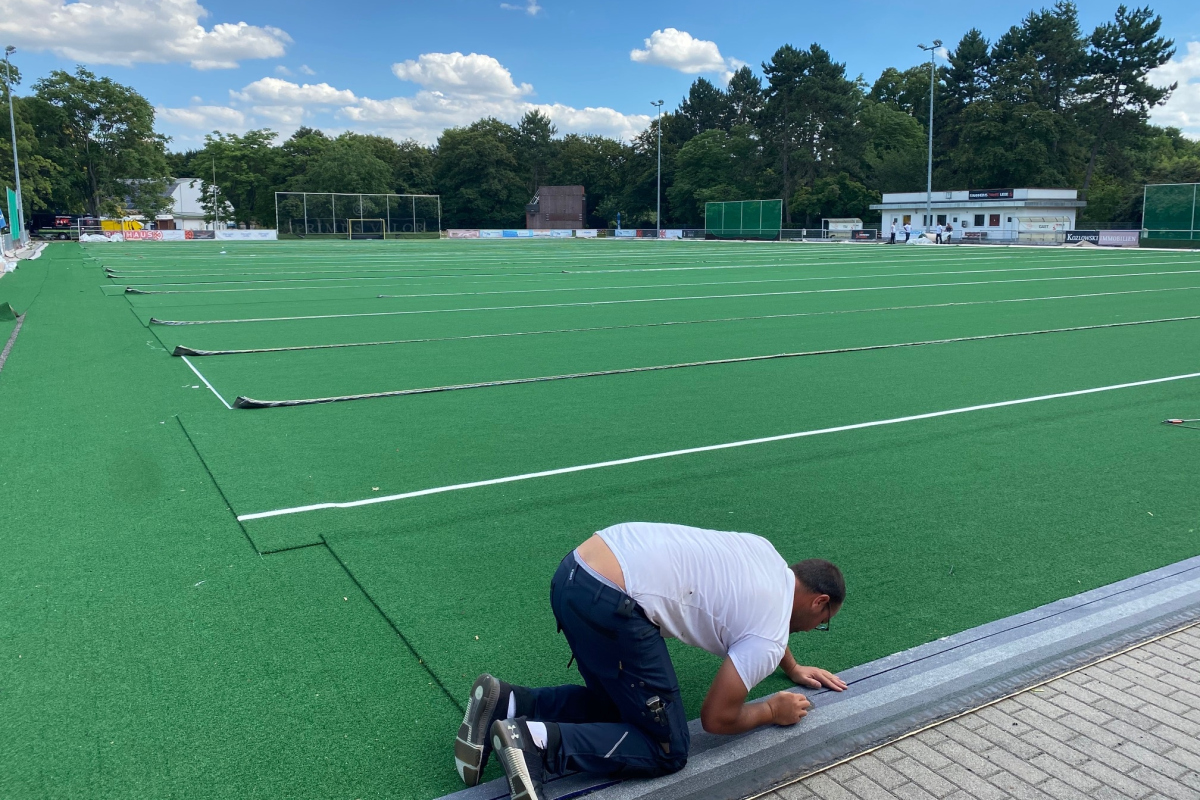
[[477, 176], [111, 131]]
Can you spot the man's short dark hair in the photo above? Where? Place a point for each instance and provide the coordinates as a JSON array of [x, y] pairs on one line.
[[822, 577]]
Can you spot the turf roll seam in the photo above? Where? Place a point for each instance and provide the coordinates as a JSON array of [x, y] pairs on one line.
[[184, 350], [248, 402], [712, 448]]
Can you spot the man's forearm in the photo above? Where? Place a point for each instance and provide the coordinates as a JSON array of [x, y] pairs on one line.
[[750, 716], [788, 662]]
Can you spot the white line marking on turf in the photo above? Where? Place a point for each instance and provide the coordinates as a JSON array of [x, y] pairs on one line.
[[206, 383], [842, 290], [709, 448]]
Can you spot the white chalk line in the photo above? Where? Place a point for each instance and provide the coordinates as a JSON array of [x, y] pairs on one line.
[[709, 448], [156, 321], [206, 383]]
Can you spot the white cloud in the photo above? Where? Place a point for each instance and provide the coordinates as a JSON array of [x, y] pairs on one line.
[[276, 91], [457, 90], [284, 71], [127, 32], [305, 69], [531, 7], [1182, 109], [204, 118], [471, 75], [681, 51]]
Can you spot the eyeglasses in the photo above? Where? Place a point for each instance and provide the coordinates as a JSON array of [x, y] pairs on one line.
[[824, 626]]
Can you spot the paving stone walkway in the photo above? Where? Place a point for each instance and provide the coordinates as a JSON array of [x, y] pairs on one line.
[[1126, 727]]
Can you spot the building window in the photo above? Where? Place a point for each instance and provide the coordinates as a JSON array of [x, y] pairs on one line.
[[1010, 220], [907, 219], [993, 220], [941, 219], [979, 220]]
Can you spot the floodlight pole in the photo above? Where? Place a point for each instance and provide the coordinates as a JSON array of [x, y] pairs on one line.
[[658, 191], [929, 162], [12, 126]]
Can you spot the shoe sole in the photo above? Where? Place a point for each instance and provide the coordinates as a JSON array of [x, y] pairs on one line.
[[512, 757], [470, 745]]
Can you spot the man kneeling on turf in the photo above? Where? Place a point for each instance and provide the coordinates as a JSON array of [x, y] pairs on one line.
[[615, 597]]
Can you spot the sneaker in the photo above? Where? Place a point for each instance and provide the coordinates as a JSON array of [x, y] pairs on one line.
[[520, 757], [471, 746]]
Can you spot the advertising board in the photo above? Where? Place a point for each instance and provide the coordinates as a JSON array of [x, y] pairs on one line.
[[673, 233], [586, 233], [561, 233], [200, 235], [627, 233], [1073, 237], [1120, 238], [248, 236], [143, 236]]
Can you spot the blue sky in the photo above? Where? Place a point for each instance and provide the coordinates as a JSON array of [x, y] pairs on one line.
[[412, 68]]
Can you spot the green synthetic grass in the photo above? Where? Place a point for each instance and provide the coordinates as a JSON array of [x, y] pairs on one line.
[[160, 655], [147, 651]]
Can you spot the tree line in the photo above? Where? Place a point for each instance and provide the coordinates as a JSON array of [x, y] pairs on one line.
[[1045, 104]]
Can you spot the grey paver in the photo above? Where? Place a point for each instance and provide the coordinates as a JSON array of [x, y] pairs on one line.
[[880, 772], [924, 777], [1162, 784], [1127, 728]]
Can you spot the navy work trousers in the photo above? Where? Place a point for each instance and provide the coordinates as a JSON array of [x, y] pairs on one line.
[[629, 718]]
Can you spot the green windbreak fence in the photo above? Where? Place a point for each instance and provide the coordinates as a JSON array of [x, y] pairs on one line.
[[1172, 211], [743, 219]]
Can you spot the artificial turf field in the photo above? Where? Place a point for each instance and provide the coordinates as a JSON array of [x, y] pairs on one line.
[[156, 645]]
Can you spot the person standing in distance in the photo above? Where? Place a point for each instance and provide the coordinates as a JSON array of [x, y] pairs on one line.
[[940, 229], [892, 239], [907, 231], [616, 597]]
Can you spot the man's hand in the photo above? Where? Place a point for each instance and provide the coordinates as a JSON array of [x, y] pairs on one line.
[[788, 708], [816, 678]]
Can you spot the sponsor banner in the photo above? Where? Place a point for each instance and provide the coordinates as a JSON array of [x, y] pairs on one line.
[[977, 236], [990, 194], [1120, 238], [200, 234], [512, 233], [693, 233], [486, 234], [673, 233], [248, 236], [172, 236], [558, 233], [143, 236], [863, 233], [540, 233], [586, 233], [1071, 237], [627, 233]]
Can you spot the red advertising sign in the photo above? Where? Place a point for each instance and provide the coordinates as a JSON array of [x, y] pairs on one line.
[[143, 236]]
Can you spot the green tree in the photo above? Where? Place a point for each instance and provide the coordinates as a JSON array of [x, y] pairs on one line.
[[348, 164], [249, 170], [600, 165], [110, 129], [535, 147], [706, 107], [834, 196], [477, 176], [745, 99], [908, 90], [716, 165], [1118, 94]]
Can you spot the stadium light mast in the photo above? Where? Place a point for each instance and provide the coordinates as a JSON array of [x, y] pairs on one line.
[[929, 163], [658, 191], [12, 126]]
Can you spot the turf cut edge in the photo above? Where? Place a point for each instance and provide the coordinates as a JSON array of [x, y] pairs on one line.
[[909, 690]]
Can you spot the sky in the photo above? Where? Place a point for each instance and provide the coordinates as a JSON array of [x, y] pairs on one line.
[[410, 69]]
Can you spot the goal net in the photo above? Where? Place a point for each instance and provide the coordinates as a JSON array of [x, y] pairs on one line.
[[338, 215], [366, 228]]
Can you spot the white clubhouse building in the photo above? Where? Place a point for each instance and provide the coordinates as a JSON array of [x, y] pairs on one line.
[[1003, 215]]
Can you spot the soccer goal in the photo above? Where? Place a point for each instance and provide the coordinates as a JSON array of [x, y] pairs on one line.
[[1171, 211], [337, 215], [366, 228]]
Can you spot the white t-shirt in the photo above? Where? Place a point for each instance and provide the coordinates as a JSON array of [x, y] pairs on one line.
[[728, 593]]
